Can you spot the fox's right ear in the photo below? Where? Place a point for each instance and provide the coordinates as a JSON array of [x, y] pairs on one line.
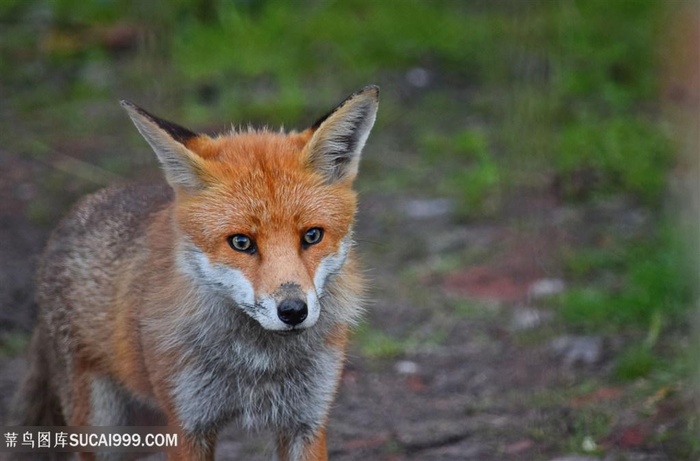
[[182, 167]]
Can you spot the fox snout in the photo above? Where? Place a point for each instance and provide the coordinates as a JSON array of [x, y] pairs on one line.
[[292, 311], [286, 309], [292, 307]]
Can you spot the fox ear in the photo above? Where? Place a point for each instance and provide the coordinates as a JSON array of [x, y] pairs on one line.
[[182, 166], [338, 138]]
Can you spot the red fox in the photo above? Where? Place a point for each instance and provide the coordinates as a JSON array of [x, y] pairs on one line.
[[226, 293]]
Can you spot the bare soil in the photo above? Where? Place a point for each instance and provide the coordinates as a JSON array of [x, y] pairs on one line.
[[472, 374]]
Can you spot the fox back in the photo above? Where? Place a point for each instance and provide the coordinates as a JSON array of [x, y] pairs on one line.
[[224, 293]]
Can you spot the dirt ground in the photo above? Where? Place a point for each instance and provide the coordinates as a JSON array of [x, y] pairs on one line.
[[477, 368]]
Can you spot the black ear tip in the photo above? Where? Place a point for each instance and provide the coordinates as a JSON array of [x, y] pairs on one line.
[[177, 132], [370, 89]]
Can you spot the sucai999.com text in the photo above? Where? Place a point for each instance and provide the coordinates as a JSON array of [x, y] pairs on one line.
[[77, 439]]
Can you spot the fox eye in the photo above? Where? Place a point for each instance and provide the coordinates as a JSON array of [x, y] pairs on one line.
[[240, 242], [312, 236]]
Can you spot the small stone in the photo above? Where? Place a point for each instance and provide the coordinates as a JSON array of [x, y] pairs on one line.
[[428, 208], [575, 350], [526, 318], [588, 444], [546, 287], [418, 77], [406, 367]]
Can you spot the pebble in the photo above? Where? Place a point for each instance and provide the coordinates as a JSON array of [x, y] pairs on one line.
[[528, 318], [546, 287], [575, 350], [418, 77], [406, 367], [428, 208]]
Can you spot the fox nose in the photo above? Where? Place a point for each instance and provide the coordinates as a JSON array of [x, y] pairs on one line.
[[292, 311]]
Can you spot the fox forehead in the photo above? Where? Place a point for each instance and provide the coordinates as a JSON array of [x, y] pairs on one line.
[[251, 147]]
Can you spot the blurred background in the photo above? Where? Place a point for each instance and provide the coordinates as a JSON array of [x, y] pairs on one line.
[[529, 198]]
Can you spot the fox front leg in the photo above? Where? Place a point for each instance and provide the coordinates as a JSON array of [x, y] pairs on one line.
[[302, 448], [192, 448]]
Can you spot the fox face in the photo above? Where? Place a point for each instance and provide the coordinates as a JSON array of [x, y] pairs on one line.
[[265, 218]]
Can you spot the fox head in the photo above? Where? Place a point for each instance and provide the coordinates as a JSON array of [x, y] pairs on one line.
[[265, 218]]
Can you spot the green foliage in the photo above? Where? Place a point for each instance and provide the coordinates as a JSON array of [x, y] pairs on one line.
[[604, 69], [627, 153], [580, 118], [283, 48], [606, 62], [9, 9], [653, 284], [13, 344], [472, 173], [376, 344], [362, 37], [564, 87], [637, 361]]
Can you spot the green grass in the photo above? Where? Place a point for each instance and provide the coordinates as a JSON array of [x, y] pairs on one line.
[[13, 344], [377, 345], [646, 282], [637, 361], [568, 88], [605, 146], [641, 288], [524, 93], [472, 174]]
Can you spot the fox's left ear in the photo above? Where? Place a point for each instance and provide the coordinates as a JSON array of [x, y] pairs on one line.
[[338, 138]]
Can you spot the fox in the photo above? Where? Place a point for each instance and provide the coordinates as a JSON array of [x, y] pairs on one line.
[[224, 293]]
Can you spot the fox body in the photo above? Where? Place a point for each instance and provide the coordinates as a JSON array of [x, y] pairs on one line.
[[224, 293]]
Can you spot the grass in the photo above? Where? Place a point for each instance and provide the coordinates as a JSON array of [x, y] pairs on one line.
[[639, 286], [13, 343], [378, 345], [476, 182], [521, 94], [353, 40], [570, 89], [646, 281], [605, 145], [588, 416]]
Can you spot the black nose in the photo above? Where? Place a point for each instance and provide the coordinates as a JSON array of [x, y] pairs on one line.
[[292, 311]]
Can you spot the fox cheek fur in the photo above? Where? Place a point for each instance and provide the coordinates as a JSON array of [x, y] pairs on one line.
[[224, 294]]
